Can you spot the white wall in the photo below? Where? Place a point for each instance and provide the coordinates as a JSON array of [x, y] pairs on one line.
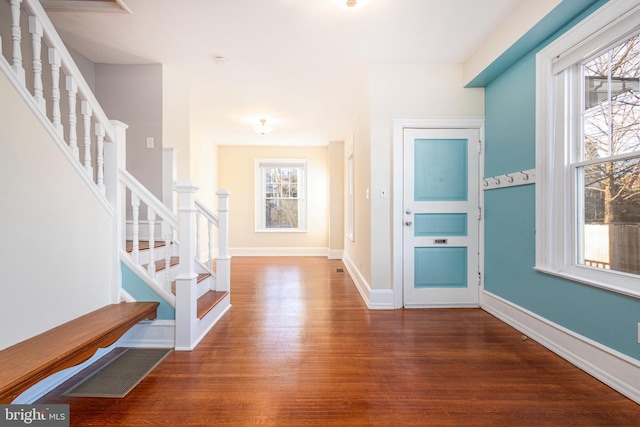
[[432, 90], [358, 141], [336, 198], [56, 236], [175, 120], [522, 19]]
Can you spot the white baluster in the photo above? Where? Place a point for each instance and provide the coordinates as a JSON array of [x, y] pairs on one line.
[[100, 157], [210, 232], [167, 261], [151, 267], [135, 228], [72, 90], [35, 28], [16, 37], [55, 61], [198, 216], [223, 262], [86, 110]]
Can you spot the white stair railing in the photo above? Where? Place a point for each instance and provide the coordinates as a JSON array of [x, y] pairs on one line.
[[180, 237], [96, 147], [34, 36]]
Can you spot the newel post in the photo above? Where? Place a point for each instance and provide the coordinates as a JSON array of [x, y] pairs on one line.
[[223, 261], [115, 158], [186, 280]]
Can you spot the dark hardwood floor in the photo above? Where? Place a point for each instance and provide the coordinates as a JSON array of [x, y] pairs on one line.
[[299, 348]]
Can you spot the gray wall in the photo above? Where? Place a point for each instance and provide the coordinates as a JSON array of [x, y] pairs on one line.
[[133, 95]]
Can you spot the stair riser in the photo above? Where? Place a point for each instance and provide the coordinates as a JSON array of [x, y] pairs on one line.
[[158, 254]]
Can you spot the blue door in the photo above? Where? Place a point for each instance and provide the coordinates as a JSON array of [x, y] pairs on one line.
[[441, 217]]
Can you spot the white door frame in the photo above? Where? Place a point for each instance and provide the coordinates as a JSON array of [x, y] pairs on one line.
[[397, 217]]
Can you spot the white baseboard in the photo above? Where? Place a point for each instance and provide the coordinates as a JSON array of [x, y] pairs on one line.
[[150, 334], [335, 254], [375, 299], [279, 251], [617, 370]]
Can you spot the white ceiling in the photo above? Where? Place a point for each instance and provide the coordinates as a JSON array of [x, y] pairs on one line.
[[298, 63]]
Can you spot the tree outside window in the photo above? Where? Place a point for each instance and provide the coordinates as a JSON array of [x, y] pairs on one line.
[[609, 171], [280, 192]]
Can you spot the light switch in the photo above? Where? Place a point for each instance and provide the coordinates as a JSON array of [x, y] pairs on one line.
[[150, 142]]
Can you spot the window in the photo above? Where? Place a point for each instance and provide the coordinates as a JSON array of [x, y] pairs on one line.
[[280, 195], [588, 151]]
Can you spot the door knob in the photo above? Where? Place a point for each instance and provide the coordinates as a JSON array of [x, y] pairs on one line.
[[408, 223], [408, 211]]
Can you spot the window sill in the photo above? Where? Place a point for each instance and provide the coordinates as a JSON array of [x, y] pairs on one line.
[[625, 284], [281, 230]]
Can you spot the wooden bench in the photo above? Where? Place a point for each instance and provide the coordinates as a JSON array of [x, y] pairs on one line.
[[28, 362]]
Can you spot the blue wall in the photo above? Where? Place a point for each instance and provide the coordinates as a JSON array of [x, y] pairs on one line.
[[141, 292], [606, 317]]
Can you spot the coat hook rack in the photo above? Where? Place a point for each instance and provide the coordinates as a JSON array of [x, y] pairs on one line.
[[510, 179]]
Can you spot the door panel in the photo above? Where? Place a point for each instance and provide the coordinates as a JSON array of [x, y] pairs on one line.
[[441, 217]]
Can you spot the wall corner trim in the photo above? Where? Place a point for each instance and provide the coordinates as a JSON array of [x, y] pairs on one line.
[[375, 299]]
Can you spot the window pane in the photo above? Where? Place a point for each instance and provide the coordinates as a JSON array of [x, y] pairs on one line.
[[612, 106], [611, 215], [281, 213]]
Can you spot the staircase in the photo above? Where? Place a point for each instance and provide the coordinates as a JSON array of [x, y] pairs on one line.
[[171, 252]]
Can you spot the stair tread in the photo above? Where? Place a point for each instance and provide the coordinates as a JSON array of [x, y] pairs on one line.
[[143, 245], [208, 301]]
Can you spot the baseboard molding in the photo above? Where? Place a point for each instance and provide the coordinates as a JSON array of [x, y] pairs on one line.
[[279, 251], [335, 254], [375, 299], [617, 370], [150, 334]]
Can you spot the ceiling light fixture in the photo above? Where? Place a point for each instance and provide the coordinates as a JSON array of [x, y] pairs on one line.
[[263, 129], [351, 4]]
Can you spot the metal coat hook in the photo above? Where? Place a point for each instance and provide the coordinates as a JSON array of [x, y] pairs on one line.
[[486, 183], [509, 178], [496, 180], [526, 176]]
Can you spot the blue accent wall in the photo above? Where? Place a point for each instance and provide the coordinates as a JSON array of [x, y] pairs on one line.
[[606, 317], [141, 292]]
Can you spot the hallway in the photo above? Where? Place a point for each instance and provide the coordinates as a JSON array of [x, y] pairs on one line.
[[299, 348]]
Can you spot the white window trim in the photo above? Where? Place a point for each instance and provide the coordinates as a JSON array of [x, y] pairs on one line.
[[260, 195], [555, 213]]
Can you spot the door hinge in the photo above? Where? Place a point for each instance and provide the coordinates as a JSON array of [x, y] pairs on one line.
[[479, 278], [479, 146], [479, 213]]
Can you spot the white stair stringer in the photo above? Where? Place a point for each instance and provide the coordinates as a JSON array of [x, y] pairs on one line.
[[207, 284], [205, 324], [142, 274]]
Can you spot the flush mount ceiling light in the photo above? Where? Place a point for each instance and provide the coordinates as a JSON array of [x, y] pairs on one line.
[[351, 4], [262, 128]]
